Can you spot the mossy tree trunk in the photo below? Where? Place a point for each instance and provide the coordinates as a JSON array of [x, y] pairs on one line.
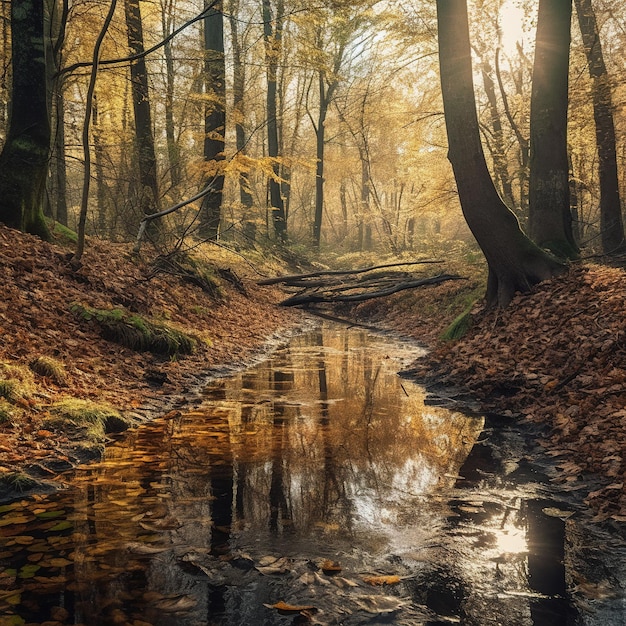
[[24, 158], [515, 262]]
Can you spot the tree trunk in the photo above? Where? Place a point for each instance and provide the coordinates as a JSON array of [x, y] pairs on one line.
[[146, 156], [173, 152], [245, 197], [24, 158], [319, 168], [60, 169], [611, 222], [515, 263], [214, 121], [550, 220], [272, 34], [498, 155]]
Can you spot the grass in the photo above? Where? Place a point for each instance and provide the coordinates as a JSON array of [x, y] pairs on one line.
[[97, 419], [136, 332], [17, 481], [16, 382], [50, 368]]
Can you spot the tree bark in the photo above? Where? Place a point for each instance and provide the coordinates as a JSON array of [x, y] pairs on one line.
[[515, 263], [144, 139], [214, 121], [498, 153], [611, 221], [549, 219], [24, 158], [272, 33], [173, 152], [239, 79]]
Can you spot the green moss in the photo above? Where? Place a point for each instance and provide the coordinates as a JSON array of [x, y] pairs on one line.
[[17, 481], [50, 368], [16, 382], [459, 327], [63, 234], [9, 413], [136, 332], [96, 419]]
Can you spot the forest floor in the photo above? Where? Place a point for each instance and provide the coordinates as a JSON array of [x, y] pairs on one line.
[[556, 357]]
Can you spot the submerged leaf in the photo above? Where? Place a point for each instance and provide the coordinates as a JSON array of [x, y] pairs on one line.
[[287, 609]]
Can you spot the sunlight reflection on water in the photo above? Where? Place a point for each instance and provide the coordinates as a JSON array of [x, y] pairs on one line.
[[319, 453]]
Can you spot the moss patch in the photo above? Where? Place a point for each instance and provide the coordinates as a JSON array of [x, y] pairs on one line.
[[97, 420], [136, 332], [16, 382], [50, 368]]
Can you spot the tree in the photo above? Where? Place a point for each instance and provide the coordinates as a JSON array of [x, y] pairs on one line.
[[272, 36], [515, 262], [24, 158], [611, 222], [144, 139], [214, 120], [549, 218]]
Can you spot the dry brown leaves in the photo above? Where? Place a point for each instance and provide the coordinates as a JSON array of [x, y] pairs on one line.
[[558, 357], [37, 289]]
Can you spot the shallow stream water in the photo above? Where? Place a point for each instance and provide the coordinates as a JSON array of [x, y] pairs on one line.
[[316, 487]]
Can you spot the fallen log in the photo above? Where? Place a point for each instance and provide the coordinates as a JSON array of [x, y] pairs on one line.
[[297, 277], [334, 296]]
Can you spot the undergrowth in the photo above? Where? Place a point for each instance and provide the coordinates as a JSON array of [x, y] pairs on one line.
[[136, 332], [97, 419]]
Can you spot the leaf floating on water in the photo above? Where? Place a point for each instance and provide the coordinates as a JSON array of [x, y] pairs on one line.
[[330, 567], [277, 566], [379, 581], [380, 604], [554, 512], [290, 609], [176, 604], [142, 548], [60, 562]]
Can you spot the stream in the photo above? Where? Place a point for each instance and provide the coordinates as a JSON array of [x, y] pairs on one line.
[[317, 487]]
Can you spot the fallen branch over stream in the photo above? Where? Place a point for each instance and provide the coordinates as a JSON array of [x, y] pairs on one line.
[[337, 295], [288, 279]]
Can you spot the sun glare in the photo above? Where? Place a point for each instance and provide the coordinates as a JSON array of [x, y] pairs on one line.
[[511, 26]]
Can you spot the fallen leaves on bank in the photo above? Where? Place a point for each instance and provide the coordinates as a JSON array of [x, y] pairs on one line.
[[36, 322], [557, 357]]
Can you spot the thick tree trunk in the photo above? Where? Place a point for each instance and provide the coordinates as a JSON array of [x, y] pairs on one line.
[[515, 263], [272, 35], [144, 139], [24, 158], [550, 220], [214, 121], [611, 222]]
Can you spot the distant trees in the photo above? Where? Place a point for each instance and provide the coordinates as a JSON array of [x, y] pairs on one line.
[[315, 125]]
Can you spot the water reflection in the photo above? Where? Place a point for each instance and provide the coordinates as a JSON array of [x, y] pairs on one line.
[[320, 454]]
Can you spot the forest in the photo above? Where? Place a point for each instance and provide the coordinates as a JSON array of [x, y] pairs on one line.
[[225, 226]]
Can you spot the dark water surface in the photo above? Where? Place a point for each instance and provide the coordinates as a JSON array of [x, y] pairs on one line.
[[318, 478]]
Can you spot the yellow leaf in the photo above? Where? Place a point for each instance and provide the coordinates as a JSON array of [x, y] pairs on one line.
[[382, 580], [283, 607]]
